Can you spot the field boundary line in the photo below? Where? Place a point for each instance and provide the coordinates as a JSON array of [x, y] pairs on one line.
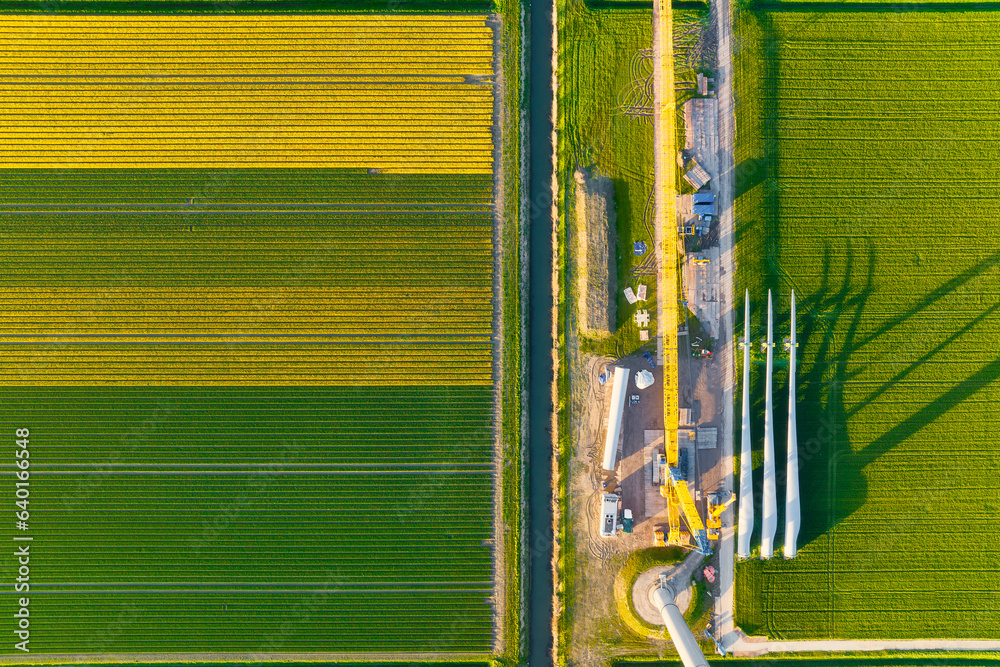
[[235, 657]]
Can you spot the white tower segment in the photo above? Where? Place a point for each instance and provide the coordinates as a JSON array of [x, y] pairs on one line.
[[684, 641], [769, 521], [792, 510], [615, 409], [745, 528]]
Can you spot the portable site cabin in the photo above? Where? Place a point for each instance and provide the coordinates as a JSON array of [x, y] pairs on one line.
[[609, 515]]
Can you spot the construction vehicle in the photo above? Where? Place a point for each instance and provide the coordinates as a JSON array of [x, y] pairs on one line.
[[674, 488], [713, 521]]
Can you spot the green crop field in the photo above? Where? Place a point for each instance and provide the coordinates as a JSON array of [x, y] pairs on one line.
[[879, 659], [258, 349], [867, 181], [257, 520], [605, 125]]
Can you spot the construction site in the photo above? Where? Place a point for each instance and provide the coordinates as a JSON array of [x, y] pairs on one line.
[[650, 464]]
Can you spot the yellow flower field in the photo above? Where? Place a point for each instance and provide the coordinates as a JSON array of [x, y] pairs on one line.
[[400, 93]]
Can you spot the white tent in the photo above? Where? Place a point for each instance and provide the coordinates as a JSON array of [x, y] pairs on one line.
[[643, 379]]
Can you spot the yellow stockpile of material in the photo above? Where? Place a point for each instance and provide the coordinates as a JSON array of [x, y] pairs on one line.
[[397, 93]]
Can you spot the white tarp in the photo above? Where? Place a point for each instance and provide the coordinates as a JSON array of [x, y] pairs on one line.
[[643, 379], [629, 295]]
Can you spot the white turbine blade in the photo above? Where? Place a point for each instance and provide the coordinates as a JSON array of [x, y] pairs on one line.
[[769, 521], [746, 460], [793, 515]]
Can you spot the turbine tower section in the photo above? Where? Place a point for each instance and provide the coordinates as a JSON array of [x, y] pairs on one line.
[[745, 526], [769, 523], [793, 517]]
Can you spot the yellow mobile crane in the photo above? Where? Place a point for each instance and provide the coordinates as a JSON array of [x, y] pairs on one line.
[[675, 536], [714, 519], [665, 219], [679, 502]]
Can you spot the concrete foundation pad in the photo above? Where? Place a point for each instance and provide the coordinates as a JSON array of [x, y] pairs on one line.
[[643, 587]]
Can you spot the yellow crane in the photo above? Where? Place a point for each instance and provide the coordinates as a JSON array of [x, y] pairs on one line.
[[673, 536], [680, 503], [714, 519], [678, 496]]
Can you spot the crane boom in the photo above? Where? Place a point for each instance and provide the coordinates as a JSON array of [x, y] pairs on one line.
[[680, 500]]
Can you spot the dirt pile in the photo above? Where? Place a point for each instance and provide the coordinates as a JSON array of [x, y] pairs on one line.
[[595, 216]]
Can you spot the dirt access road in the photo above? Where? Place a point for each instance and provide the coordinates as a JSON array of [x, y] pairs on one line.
[[721, 19]]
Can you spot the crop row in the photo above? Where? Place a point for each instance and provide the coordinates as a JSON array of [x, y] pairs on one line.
[[401, 168], [898, 408], [340, 290], [423, 424], [344, 621], [362, 546], [261, 122]]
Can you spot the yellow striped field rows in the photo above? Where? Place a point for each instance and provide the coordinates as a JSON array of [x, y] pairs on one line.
[[394, 93], [252, 277]]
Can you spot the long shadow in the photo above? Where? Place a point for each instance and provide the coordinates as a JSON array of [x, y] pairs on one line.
[[902, 375], [820, 409], [831, 333], [751, 172], [933, 297], [755, 172], [819, 402], [941, 404]]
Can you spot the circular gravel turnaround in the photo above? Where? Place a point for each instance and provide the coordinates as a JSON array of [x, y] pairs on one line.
[[644, 585]]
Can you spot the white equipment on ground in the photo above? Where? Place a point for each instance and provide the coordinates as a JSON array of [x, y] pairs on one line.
[[745, 529], [609, 515], [684, 641], [615, 409], [769, 505], [792, 509], [643, 379]]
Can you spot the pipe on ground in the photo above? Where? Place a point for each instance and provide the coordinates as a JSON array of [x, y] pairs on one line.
[[684, 641], [769, 509], [792, 509], [745, 526]]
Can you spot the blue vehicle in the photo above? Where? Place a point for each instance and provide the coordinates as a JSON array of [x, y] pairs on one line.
[[649, 358]]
